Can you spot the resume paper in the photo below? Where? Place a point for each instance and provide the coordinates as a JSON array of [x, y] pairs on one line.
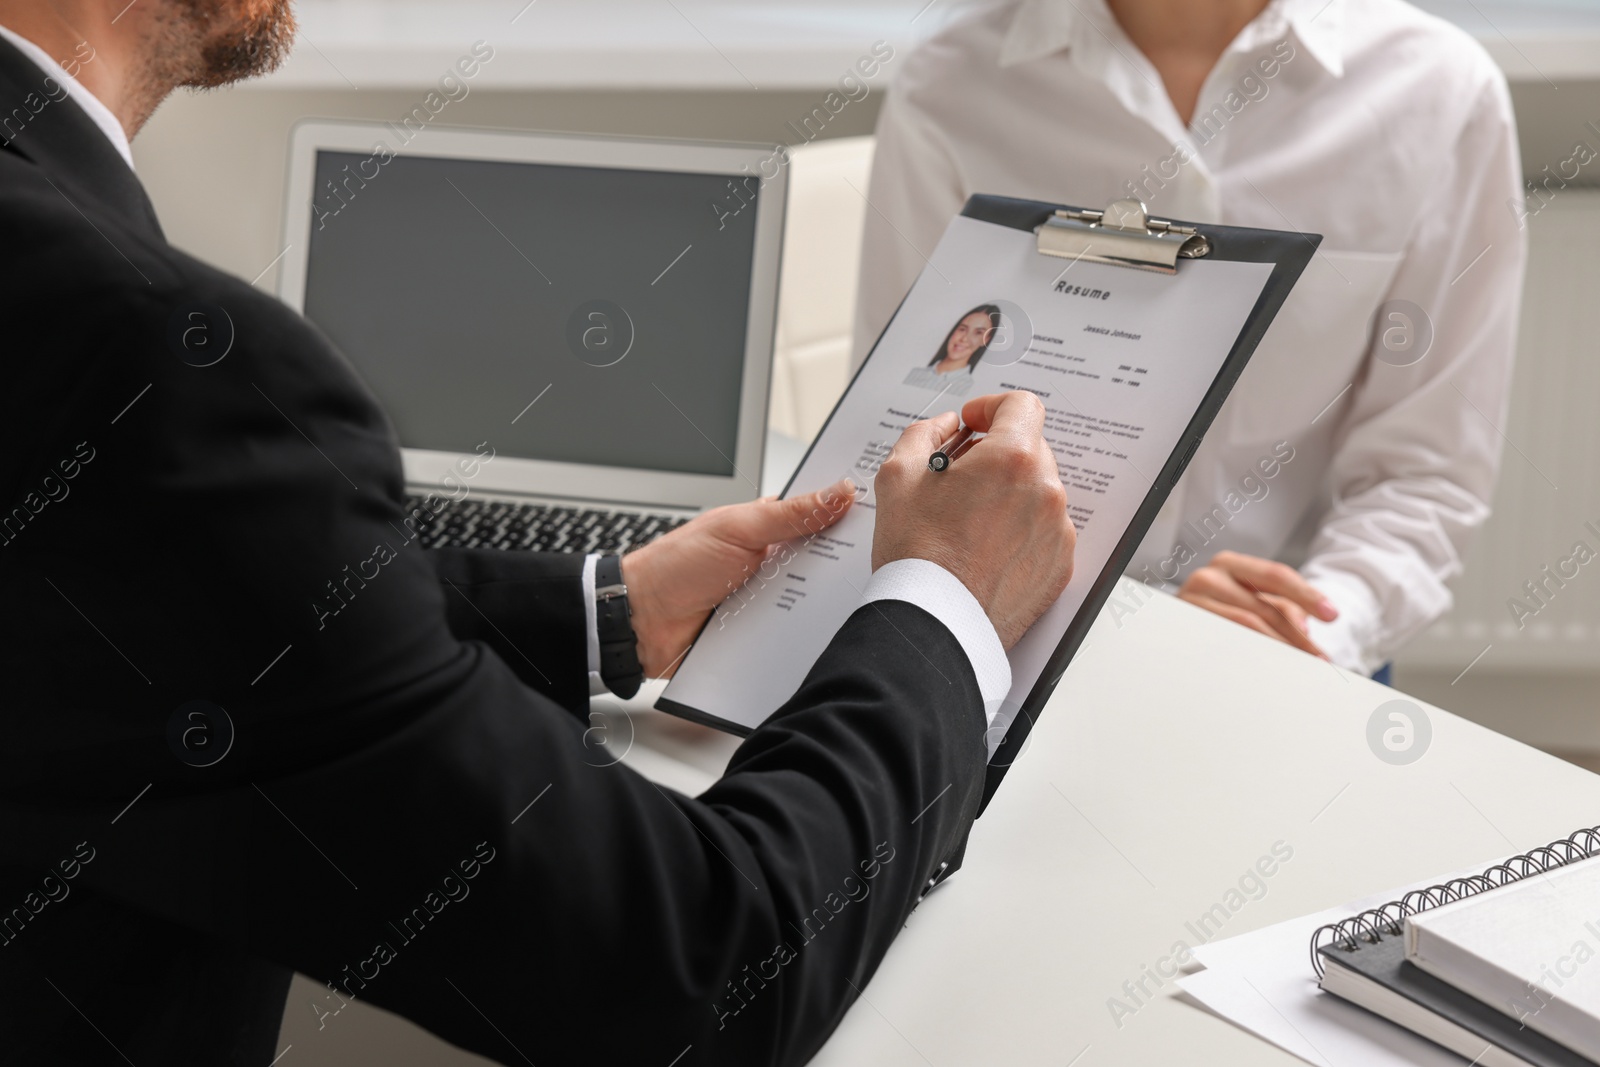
[[1122, 360]]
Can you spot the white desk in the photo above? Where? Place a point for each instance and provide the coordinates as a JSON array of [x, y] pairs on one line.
[[1176, 751]]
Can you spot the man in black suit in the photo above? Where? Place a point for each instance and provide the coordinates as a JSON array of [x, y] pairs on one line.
[[202, 789]]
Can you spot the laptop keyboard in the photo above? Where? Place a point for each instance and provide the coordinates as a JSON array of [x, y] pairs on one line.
[[472, 523]]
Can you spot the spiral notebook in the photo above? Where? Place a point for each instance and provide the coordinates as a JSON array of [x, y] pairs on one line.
[[1364, 958]]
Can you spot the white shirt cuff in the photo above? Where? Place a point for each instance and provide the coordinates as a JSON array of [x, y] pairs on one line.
[[591, 625], [1350, 640], [935, 590]]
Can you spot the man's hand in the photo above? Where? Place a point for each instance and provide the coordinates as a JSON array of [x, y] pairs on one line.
[[996, 519], [674, 582], [1269, 597]]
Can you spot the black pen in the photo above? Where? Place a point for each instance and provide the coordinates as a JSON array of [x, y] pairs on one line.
[[946, 453]]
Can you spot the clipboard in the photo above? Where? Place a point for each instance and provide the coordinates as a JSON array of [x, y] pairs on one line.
[[1123, 235]]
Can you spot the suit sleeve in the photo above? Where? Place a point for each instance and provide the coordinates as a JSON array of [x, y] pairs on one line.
[[516, 602], [399, 810]]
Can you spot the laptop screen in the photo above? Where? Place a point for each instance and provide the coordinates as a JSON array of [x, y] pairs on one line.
[[575, 314]]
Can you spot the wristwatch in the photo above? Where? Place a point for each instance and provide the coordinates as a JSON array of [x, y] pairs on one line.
[[619, 649]]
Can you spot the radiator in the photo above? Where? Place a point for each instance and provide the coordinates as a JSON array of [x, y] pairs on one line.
[[1529, 595]]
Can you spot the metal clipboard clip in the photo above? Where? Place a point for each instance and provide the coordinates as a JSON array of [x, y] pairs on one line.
[[1123, 235]]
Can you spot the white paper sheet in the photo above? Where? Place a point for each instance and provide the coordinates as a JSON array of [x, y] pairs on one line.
[[1263, 981], [1122, 359]]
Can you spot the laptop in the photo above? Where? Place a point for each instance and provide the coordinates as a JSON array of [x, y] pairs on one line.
[[572, 335]]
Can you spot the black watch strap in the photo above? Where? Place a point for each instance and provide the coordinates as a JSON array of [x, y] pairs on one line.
[[619, 649]]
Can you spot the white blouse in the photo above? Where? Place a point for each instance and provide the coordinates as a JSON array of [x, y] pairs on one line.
[[1384, 129]]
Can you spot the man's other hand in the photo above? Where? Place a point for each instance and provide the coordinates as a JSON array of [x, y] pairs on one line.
[[674, 581], [996, 518]]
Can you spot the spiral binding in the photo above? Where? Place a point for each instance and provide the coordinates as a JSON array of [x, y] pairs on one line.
[[1372, 925]]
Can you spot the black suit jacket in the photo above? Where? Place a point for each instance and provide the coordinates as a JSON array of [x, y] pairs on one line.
[[408, 810]]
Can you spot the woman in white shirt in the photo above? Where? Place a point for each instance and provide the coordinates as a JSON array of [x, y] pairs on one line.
[[1332, 498]]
